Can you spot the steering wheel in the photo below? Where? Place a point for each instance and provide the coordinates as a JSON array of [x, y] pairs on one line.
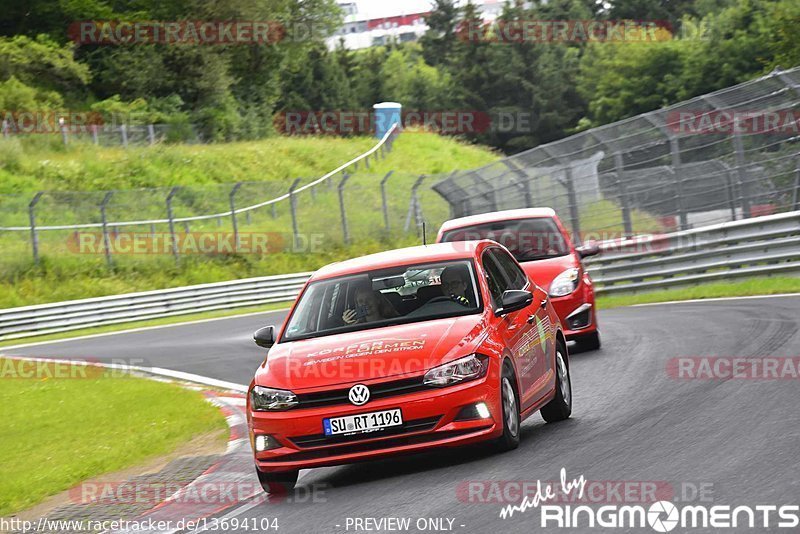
[[458, 300], [440, 298]]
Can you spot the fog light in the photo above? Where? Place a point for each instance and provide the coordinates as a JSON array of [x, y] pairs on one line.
[[265, 443], [483, 410]]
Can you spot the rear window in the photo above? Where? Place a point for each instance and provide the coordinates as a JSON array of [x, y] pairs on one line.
[[526, 239]]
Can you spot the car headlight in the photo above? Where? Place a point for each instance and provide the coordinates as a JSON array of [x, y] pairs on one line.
[[271, 400], [565, 283], [467, 368]]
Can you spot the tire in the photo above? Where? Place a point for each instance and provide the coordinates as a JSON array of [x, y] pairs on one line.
[[279, 483], [509, 400], [560, 407], [588, 342]]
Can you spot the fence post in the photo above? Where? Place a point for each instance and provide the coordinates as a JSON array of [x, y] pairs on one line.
[[384, 201], [123, 130], [522, 181], [731, 194], [573, 207], [743, 184], [63, 128], [413, 207], [293, 209], [674, 149], [94, 135], [151, 134], [32, 219], [106, 240], [5, 128], [345, 230], [174, 241], [232, 200], [622, 191], [796, 192]]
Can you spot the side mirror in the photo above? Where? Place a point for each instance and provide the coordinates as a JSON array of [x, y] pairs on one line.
[[515, 299], [589, 249], [265, 337]]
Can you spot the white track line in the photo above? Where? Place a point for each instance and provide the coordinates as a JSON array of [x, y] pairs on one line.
[[716, 299], [168, 373], [134, 330]]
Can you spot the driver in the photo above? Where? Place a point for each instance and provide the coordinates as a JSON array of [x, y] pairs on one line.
[[455, 280]]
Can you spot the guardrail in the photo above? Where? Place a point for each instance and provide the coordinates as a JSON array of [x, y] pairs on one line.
[[17, 323], [752, 247]]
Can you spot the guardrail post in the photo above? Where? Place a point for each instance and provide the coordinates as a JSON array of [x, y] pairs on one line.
[[174, 241], [151, 134], [94, 134], [293, 209], [106, 240], [32, 219], [384, 201], [123, 130], [342, 211], [622, 191], [232, 200], [574, 214], [5, 128]]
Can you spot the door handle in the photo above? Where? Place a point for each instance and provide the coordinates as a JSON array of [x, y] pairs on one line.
[[531, 319], [543, 305]]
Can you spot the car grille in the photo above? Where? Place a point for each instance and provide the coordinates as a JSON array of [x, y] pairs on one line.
[[376, 391], [318, 440], [371, 446]]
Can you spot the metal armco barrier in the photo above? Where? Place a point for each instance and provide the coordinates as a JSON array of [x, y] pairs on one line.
[[759, 246], [43, 319]]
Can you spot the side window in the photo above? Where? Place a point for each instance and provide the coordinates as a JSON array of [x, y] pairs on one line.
[[494, 277], [516, 276]]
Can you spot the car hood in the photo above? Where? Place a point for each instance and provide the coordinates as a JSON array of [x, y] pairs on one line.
[[393, 351], [542, 272]]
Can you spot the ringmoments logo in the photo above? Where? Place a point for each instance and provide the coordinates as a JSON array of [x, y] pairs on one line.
[[660, 516]]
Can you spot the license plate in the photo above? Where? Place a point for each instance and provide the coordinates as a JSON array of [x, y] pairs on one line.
[[366, 422]]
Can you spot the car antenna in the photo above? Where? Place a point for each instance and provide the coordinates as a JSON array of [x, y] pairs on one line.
[[424, 235]]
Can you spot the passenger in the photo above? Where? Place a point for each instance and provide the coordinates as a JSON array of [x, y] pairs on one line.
[[372, 305]]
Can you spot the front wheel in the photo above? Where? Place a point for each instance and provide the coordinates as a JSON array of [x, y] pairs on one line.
[[279, 483], [560, 407], [511, 418], [588, 342]]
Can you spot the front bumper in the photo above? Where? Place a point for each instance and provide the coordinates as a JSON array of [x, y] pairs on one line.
[[577, 314], [430, 419]]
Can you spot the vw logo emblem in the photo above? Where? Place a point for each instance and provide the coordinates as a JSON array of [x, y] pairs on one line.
[[359, 394]]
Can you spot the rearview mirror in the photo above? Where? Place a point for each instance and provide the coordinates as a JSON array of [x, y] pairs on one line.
[[265, 337], [589, 249], [515, 299]]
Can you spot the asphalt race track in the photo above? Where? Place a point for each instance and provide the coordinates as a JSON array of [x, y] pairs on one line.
[[739, 439]]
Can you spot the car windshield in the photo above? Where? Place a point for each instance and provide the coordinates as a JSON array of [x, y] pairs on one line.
[[385, 297], [526, 239]]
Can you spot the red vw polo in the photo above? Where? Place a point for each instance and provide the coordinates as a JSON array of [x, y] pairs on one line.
[[538, 240], [402, 351]]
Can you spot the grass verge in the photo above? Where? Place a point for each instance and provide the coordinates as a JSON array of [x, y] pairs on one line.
[[60, 431], [742, 288]]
